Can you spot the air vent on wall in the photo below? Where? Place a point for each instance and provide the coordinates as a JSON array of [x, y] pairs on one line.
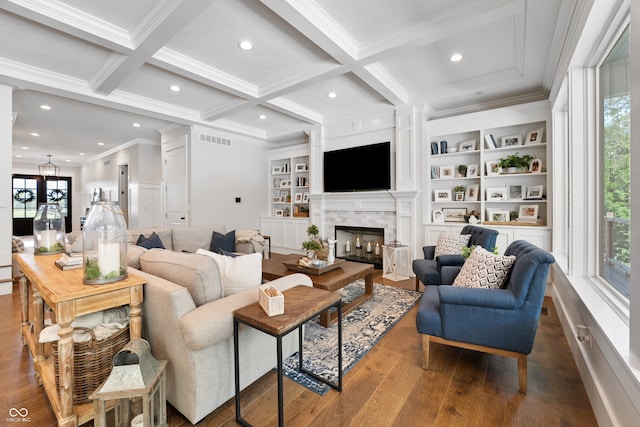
[[205, 137], [107, 162]]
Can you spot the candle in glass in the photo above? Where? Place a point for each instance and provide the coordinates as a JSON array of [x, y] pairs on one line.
[[109, 258], [347, 247], [369, 247], [377, 248], [48, 238]]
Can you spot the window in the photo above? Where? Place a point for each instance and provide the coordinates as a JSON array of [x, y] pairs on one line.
[[615, 153]]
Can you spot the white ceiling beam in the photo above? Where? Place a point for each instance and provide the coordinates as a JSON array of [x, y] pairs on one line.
[[159, 27]]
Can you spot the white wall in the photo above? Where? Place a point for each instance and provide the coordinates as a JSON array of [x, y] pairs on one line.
[[219, 174], [145, 174], [6, 97]]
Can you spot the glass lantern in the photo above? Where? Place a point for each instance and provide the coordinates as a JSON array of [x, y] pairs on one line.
[[104, 240], [48, 230]]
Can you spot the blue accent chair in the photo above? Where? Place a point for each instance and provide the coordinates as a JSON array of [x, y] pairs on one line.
[[497, 321], [444, 269]]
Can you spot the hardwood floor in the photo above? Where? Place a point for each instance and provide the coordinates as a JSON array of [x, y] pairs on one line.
[[387, 387]]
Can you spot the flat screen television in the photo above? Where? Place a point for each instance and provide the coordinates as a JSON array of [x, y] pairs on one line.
[[364, 168]]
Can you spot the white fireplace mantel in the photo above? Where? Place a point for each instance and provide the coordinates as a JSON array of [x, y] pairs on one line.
[[369, 201]]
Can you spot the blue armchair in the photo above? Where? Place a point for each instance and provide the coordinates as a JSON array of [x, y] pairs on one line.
[[444, 269], [498, 321]]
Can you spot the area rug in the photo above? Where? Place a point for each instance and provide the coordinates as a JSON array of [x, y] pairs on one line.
[[361, 330]]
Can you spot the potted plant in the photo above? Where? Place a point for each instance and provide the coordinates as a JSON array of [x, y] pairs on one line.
[[462, 170], [313, 244], [459, 192], [514, 163]]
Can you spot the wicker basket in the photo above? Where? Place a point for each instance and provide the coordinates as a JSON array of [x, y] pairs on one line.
[[92, 362]]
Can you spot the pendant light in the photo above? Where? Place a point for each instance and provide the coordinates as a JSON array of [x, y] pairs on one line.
[[49, 169]]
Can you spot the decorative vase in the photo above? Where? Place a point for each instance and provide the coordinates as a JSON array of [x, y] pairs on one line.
[[331, 258], [48, 230], [104, 240]]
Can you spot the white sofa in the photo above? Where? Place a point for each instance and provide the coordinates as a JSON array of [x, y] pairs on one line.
[[189, 322], [189, 239]]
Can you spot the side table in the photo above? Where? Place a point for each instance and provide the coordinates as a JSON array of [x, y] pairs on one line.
[[395, 262], [301, 304]]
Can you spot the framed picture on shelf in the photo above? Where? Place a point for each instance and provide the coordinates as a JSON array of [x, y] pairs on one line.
[[454, 214], [515, 191], [497, 215], [446, 172], [298, 198], [305, 198], [438, 216], [467, 145], [496, 194], [511, 141], [535, 192], [276, 169], [284, 184], [301, 167], [278, 212], [528, 213], [276, 200], [459, 197], [472, 170], [493, 167], [535, 166], [471, 193], [442, 195], [534, 137]]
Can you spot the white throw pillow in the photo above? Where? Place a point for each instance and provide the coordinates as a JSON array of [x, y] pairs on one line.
[[484, 270], [451, 244], [237, 273]]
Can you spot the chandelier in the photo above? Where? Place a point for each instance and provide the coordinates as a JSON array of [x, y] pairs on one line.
[[49, 169]]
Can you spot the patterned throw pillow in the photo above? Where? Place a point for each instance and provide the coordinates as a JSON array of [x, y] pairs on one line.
[[451, 244], [484, 270]]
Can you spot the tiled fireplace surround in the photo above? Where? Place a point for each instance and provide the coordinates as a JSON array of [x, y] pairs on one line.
[[392, 211], [383, 220]]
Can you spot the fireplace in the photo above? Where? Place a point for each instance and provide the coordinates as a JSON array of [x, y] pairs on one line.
[[361, 244]]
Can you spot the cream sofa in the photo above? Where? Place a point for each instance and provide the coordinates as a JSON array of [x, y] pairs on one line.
[[189, 239], [189, 322]]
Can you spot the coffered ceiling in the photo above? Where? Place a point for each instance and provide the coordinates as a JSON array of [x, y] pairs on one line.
[[103, 65]]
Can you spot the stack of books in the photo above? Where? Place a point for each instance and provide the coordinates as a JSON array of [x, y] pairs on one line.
[[69, 260]]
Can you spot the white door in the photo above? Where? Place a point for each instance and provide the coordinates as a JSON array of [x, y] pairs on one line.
[[175, 176]]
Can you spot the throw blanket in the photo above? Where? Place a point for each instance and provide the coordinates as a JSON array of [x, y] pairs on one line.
[[255, 238], [103, 323], [17, 245]]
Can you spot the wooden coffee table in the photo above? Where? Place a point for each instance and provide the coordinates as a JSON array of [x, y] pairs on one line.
[[348, 272]]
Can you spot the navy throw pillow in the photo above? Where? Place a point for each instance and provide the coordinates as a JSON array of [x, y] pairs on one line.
[[150, 242], [226, 242]]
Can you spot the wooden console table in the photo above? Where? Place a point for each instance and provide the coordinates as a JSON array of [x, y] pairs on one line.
[[68, 297]]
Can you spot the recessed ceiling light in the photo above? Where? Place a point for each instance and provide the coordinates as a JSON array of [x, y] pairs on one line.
[[262, 117], [45, 107], [18, 155], [67, 160], [332, 94], [25, 148], [82, 154], [245, 45], [455, 57], [34, 134], [136, 125], [100, 143], [174, 88]]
